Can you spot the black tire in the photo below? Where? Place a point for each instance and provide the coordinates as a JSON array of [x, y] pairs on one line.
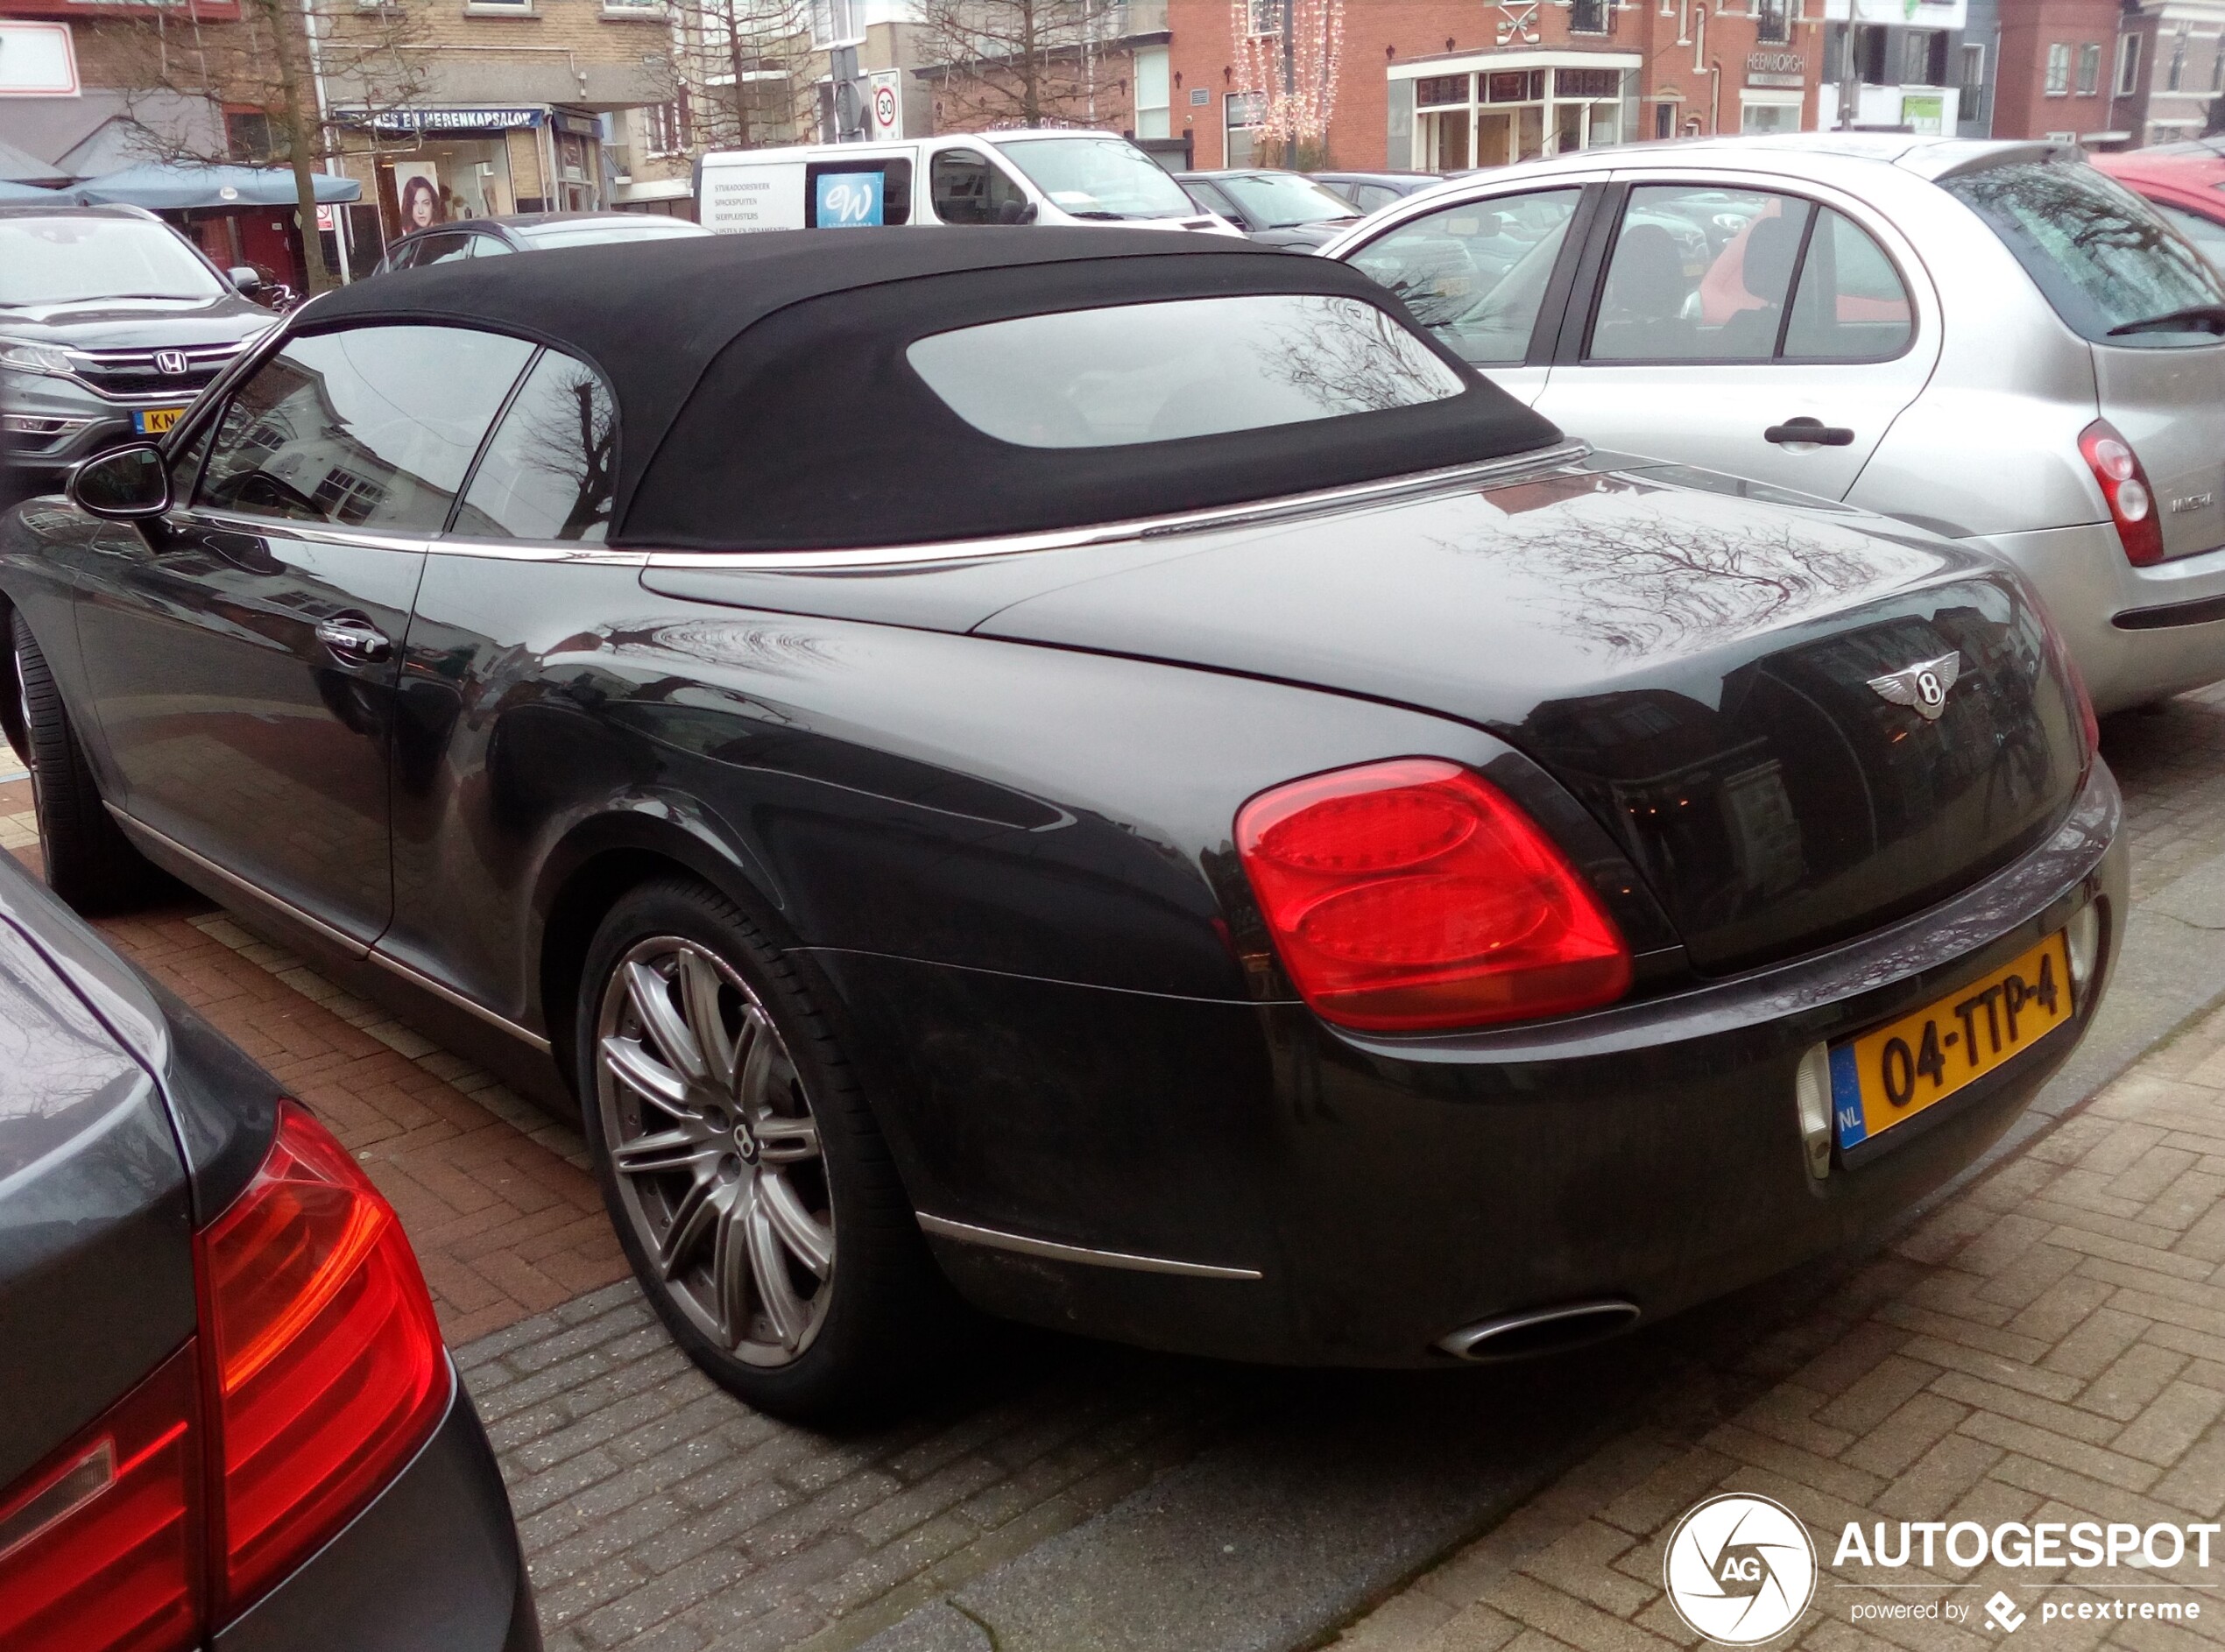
[[882, 1310], [89, 861]]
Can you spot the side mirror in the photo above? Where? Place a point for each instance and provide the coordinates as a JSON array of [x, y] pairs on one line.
[[122, 485], [243, 277]]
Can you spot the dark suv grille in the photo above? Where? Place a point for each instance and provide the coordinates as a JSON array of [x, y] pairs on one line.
[[136, 372]]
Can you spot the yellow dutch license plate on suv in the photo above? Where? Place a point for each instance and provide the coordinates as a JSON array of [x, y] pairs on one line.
[[152, 422], [1887, 1076]]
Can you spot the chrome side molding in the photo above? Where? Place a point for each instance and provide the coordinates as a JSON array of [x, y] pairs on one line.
[[259, 896], [992, 1238]]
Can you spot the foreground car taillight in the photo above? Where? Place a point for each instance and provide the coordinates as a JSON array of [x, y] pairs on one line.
[[100, 1546], [318, 1374], [324, 1364], [2124, 485], [1412, 895]]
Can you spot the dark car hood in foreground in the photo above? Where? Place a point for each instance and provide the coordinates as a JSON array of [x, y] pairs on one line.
[[1693, 665], [1691, 659], [117, 325]]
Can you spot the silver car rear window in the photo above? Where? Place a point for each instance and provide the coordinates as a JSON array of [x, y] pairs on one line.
[[2101, 255], [1134, 373]]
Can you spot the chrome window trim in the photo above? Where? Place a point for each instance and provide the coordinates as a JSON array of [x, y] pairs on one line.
[[355, 949], [995, 1239], [1355, 496], [283, 527]]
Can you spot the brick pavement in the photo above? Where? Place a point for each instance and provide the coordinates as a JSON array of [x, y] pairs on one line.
[[660, 1515]]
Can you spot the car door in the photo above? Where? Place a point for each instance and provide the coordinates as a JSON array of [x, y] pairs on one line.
[[1489, 275], [1761, 329], [243, 649]]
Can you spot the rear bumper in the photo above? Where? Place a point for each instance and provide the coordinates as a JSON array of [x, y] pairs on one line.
[[1390, 1192], [431, 1566], [2174, 640]]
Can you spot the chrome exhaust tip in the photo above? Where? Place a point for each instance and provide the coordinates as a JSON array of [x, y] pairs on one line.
[[1541, 1331]]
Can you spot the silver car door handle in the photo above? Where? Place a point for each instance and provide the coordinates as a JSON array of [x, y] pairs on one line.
[[356, 641]]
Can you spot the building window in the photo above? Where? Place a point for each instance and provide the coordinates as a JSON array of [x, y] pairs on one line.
[[834, 22], [1773, 24], [2059, 70], [2217, 67], [1152, 95], [1869, 55], [1264, 17], [1242, 112], [2128, 65], [1924, 59], [2177, 72], [1972, 102], [1664, 120], [666, 126], [1587, 17], [2090, 70]]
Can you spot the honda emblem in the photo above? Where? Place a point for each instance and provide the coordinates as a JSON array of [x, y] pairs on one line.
[[170, 361]]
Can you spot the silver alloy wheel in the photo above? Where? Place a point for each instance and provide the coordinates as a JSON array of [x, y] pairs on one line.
[[716, 1153]]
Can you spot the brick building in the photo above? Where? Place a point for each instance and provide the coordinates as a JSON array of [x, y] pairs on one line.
[[1444, 86], [2169, 70], [2057, 70]]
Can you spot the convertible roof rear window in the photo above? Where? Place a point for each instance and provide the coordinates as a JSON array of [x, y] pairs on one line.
[[767, 398], [1193, 367]]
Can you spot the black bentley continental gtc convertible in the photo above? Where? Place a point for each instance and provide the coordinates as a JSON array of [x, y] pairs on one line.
[[1104, 771]]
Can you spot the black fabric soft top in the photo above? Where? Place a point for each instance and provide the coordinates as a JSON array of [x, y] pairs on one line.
[[765, 401]]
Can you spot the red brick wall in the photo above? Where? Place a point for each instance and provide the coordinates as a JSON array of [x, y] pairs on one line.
[[1381, 32]]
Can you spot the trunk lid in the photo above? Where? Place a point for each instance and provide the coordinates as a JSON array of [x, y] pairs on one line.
[[2169, 405], [1691, 661]]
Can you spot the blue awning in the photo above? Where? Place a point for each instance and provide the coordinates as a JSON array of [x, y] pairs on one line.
[[30, 191], [163, 187]]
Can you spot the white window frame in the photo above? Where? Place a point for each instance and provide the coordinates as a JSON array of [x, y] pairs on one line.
[[2089, 69], [1263, 18], [2059, 69], [2127, 81], [836, 23], [1154, 91]]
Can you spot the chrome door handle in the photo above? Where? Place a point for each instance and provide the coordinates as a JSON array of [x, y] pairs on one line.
[[1805, 429], [356, 641]]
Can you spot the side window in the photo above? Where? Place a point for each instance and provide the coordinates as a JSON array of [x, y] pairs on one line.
[[441, 248], [1214, 200], [1698, 275], [1850, 305], [547, 473], [488, 246], [1476, 274], [1368, 197], [968, 188], [373, 427]]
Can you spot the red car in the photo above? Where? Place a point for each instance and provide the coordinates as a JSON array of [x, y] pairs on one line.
[[2186, 182]]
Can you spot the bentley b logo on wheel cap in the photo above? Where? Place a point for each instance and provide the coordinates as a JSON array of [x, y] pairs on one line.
[[1923, 685]]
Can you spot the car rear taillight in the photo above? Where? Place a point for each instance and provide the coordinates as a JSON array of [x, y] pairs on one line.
[[1411, 895], [318, 1373], [100, 1546], [323, 1361], [2124, 485]]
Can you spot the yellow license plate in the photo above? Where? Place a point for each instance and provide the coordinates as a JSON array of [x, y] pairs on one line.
[[1887, 1076], [152, 422]]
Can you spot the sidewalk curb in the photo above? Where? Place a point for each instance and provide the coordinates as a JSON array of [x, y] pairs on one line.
[[1253, 1548]]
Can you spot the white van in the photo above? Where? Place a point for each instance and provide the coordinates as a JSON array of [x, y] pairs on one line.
[[1017, 177]]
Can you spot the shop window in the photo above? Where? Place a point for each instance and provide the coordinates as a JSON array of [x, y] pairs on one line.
[[2089, 69], [1441, 90], [2059, 70]]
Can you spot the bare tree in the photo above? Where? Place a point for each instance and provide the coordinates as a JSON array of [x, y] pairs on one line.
[[281, 58], [735, 68], [1016, 62]]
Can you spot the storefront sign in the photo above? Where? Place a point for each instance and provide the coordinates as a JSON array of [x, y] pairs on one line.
[[1923, 116], [1787, 69], [442, 120], [576, 125], [36, 60]]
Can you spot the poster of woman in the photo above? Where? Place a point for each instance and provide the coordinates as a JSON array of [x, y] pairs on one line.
[[417, 190]]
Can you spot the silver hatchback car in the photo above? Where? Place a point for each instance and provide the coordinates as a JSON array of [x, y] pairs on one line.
[[1989, 340]]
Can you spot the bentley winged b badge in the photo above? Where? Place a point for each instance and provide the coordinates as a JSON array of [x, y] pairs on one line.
[[1923, 685]]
